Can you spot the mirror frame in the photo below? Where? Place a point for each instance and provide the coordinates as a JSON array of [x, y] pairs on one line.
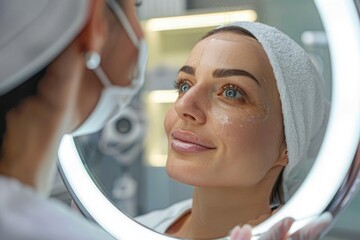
[[334, 173]]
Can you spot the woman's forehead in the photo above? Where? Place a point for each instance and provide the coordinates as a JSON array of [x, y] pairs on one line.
[[230, 50]]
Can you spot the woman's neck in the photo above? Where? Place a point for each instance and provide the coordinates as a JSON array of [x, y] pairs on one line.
[[216, 211]]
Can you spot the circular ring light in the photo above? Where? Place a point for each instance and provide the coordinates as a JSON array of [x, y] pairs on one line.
[[333, 174]]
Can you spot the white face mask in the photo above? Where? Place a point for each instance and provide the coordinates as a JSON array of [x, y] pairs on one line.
[[114, 98]]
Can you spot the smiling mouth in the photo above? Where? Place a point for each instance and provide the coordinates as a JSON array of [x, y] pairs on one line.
[[187, 142]]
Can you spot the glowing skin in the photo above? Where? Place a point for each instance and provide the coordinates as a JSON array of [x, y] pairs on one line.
[[225, 135], [245, 134]]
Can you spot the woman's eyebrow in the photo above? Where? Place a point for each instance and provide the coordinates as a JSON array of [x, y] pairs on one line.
[[187, 69], [218, 73]]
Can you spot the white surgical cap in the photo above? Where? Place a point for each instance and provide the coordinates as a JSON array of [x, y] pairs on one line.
[[33, 33]]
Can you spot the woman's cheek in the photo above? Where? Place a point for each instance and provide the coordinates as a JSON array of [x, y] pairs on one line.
[[226, 125], [169, 120]]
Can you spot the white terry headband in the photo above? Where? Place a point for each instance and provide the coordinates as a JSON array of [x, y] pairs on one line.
[[301, 88]]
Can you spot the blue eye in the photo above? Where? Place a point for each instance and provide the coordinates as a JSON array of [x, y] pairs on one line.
[[183, 87], [233, 92]]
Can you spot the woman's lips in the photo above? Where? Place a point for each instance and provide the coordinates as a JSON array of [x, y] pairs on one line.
[[188, 142]]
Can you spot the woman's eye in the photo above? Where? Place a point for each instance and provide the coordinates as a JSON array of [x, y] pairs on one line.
[[233, 92], [182, 86]]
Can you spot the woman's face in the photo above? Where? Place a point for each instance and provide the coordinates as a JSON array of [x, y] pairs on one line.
[[118, 57], [226, 127]]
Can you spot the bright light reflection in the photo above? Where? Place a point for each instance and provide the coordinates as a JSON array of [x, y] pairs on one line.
[[96, 204], [199, 20], [162, 96], [157, 160]]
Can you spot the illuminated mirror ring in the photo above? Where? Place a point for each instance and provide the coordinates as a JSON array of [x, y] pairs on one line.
[[330, 183]]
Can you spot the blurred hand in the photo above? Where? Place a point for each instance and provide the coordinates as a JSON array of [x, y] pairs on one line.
[[241, 233], [314, 229], [311, 231]]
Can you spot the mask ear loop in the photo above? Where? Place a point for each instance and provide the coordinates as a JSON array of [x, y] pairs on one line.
[[92, 61], [124, 21]]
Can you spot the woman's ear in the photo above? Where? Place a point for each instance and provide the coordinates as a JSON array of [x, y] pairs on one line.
[[93, 36]]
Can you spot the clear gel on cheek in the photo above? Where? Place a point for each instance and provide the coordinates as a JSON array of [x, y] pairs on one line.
[[230, 124], [218, 119], [222, 120]]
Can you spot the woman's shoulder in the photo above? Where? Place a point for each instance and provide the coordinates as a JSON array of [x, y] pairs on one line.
[[160, 220]]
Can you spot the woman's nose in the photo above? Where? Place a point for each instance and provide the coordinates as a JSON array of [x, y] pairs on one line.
[[191, 106]]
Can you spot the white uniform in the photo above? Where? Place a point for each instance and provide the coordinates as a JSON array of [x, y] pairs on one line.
[[161, 220], [25, 215]]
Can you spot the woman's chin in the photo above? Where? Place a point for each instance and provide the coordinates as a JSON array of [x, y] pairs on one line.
[[184, 173]]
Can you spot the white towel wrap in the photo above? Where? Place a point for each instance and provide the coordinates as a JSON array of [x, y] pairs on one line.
[[304, 106]]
